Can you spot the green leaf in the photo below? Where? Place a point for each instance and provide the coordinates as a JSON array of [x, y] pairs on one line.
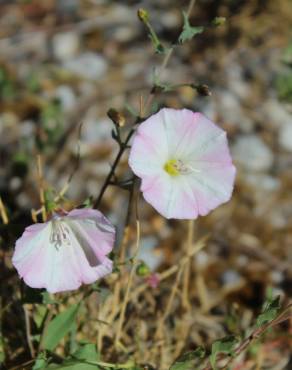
[[188, 31], [40, 362], [78, 361], [270, 311], [188, 360], [48, 298], [284, 86], [86, 352], [2, 353], [39, 315], [287, 55], [59, 327], [224, 345]]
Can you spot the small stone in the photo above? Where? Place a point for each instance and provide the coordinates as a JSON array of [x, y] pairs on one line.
[[277, 276], [15, 183], [66, 96], [230, 277], [230, 111], [123, 33], [149, 254], [202, 259], [88, 65], [27, 128], [252, 153], [236, 83], [67, 6], [285, 136], [170, 19], [263, 182], [275, 114], [65, 45]]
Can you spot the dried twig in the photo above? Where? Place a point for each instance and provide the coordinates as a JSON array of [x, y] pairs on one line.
[[187, 269], [28, 331], [130, 279], [3, 212], [258, 332]]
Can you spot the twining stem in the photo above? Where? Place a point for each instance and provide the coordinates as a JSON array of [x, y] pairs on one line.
[[187, 269], [124, 145], [114, 166], [166, 60], [41, 187]]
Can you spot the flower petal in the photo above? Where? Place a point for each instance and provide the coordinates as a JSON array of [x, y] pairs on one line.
[[95, 228], [208, 190], [64, 265], [171, 197], [206, 174]]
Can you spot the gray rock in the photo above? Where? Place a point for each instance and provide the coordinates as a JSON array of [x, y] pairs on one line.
[[263, 182], [236, 83], [252, 153], [88, 65], [149, 254], [65, 45], [66, 96], [230, 277], [285, 136], [275, 114], [230, 111]]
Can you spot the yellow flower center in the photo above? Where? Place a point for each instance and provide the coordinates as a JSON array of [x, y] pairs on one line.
[[172, 167]]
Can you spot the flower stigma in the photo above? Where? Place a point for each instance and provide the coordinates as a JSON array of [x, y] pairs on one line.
[[175, 167]]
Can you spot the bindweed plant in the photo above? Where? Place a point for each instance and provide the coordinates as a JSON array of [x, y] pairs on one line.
[[179, 161]]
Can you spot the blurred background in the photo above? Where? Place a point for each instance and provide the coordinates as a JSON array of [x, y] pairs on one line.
[[68, 61]]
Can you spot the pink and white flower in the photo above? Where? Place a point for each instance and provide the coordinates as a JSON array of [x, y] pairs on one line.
[[66, 251], [184, 163]]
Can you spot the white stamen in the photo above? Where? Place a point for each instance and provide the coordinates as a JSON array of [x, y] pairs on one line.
[[60, 234]]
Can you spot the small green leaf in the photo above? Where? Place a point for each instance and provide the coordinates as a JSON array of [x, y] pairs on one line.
[[59, 327], [2, 353], [188, 360], [270, 311], [224, 345], [287, 55], [40, 362], [48, 298], [79, 360], [188, 31], [39, 314], [86, 352]]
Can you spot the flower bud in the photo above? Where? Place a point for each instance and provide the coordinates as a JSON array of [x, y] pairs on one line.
[[219, 21], [117, 117], [143, 15], [142, 269], [203, 90]]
